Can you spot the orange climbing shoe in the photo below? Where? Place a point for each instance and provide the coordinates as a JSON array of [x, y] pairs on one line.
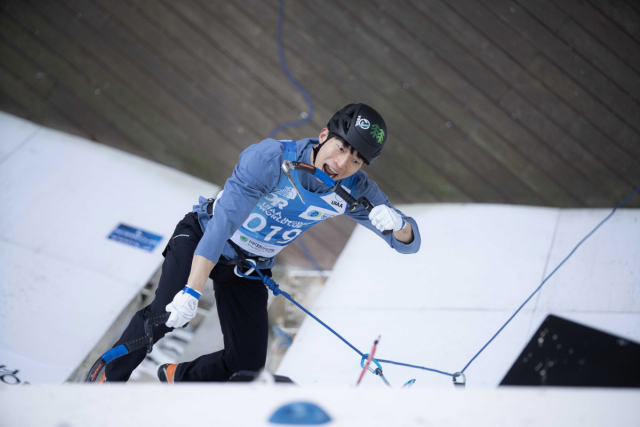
[[166, 372]]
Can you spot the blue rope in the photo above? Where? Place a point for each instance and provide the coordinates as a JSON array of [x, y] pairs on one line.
[[292, 79], [552, 273], [416, 367], [275, 288]]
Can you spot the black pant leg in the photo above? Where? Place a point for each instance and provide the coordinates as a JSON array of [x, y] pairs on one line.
[[242, 310], [175, 272]]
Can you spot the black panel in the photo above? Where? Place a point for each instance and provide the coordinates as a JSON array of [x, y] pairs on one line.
[[565, 353]]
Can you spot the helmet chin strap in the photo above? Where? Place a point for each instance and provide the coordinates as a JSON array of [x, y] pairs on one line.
[[317, 148]]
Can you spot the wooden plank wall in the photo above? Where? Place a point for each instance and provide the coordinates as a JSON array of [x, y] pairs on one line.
[[486, 101]]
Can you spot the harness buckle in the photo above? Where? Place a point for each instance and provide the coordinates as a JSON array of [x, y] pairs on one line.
[[206, 202]]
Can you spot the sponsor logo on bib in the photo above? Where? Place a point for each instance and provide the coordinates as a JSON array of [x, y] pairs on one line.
[[317, 214], [336, 201], [287, 192]]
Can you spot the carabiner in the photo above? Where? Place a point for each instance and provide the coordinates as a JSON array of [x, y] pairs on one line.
[[253, 265], [458, 374], [364, 358]]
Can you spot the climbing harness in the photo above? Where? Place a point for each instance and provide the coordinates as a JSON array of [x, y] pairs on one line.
[[208, 206]]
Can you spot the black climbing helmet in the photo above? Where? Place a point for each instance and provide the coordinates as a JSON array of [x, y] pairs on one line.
[[362, 127]]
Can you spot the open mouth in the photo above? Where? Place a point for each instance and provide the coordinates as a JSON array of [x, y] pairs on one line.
[[327, 169]]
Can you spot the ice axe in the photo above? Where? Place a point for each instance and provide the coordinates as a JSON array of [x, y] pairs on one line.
[[352, 203], [97, 371]]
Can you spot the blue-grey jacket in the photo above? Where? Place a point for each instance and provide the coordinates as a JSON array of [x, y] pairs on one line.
[[256, 175]]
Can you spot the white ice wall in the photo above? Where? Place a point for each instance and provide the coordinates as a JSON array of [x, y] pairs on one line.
[[251, 405], [477, 264], [62, 281]]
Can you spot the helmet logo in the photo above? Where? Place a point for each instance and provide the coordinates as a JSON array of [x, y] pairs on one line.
[[377, 133], [362, 123]]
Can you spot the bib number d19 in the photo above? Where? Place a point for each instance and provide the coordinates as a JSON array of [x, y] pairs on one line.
[[256, 223]]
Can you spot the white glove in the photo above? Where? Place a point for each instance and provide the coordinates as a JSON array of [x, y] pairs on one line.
[[385, 218], [183, 308]]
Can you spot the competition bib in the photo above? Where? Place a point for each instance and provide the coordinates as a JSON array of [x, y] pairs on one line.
[[280, 216]]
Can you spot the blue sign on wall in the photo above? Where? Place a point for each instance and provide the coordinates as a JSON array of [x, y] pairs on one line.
[[135, 237]]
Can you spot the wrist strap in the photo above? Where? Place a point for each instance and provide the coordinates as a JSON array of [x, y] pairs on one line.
[[192, 292]]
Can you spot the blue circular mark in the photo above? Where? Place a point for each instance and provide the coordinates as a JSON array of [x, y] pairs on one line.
[[300, 413]]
